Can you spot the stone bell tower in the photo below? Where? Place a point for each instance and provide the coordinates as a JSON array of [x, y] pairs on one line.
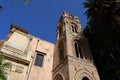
[[72, 56]]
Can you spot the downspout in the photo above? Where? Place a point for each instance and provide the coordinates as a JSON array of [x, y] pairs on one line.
[[32, 60]]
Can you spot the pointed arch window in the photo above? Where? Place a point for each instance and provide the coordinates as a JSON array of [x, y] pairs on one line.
[[85, 78], [74, 28], [58, 77], [78, 49]]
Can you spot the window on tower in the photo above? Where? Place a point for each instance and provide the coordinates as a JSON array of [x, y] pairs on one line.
[[78, 49], [61, 50], [74, 29], [58, 77], [60, 31], [61, 53]]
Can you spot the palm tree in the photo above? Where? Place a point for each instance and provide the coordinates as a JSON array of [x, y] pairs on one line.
[[3, 66], [103, 32], [24, 3], [0, 7]]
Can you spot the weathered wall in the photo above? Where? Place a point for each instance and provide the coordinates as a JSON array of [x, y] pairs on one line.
[[45, 71], [15, 49], [80, 68], [17, 72]]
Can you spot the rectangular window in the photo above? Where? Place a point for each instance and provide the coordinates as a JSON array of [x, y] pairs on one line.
[[39, 59]]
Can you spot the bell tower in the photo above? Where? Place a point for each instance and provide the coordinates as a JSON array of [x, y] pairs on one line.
[[72, 56]]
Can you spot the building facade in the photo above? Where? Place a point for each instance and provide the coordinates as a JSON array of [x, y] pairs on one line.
[[35, 59]]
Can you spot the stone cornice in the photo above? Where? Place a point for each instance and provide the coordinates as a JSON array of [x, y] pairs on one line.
[[13, 26], [15, 59]]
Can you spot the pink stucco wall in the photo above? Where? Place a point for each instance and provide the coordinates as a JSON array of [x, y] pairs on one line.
[[44, 72]]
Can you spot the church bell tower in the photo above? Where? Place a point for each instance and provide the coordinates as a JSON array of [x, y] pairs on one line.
[[72, 56]]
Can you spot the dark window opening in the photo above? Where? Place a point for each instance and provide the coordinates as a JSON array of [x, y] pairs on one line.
[[61, 53], [85, 78], [60, 31], [59, 77], [74, 29], [78, 49], [39, 59]]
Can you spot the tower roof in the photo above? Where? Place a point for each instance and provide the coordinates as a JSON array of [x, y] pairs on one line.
[[67, 14]]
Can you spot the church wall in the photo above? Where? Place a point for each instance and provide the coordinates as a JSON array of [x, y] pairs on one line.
[[74, 60], [35, 59], [79, 68], [62, 69]]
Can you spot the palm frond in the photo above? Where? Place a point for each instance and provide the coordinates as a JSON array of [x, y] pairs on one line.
[[7, 65], [26, 2], [4, 66], [1, 7], [1, 58], [3, 75]]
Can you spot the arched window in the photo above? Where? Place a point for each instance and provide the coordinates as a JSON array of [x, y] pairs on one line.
[[74, 28], [78, 49], [85, 78], [58, 77]]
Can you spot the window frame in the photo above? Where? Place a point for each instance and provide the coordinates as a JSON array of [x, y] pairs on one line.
[[42, 55]]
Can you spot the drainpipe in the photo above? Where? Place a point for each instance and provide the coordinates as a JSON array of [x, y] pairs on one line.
[[32, 60]]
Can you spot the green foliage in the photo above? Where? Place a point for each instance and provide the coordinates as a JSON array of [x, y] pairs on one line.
[[4, 66], [102, 31], [26, 2]]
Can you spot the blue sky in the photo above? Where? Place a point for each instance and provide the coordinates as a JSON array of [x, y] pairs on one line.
[[39, 17]]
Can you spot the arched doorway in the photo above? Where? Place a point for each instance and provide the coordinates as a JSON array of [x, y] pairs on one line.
[[85, 78], [58, 77]]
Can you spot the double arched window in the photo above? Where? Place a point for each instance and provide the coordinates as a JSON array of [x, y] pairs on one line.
[[74, 28], [78, 49]]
